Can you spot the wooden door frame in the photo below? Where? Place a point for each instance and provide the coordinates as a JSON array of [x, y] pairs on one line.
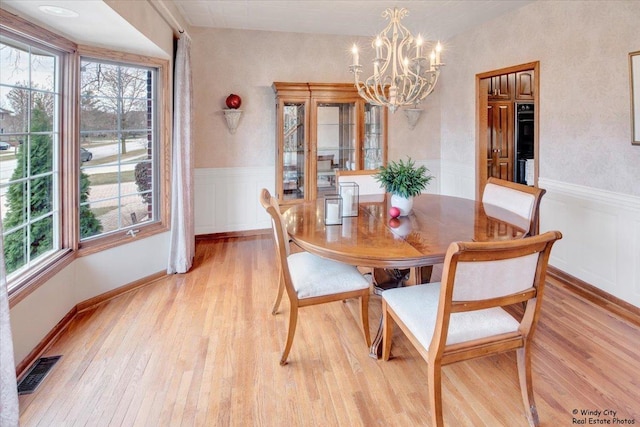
[[481, 119]]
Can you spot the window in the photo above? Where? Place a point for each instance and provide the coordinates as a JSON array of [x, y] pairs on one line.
[[118, 146], [30, 106], [83, 150]]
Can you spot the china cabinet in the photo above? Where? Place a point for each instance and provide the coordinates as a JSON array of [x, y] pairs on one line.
[[322, 128]]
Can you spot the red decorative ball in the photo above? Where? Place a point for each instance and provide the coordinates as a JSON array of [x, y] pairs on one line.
[[233, 101], [394, 223], [394, 212]]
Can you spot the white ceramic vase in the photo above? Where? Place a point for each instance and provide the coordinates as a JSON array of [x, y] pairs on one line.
[[403, 203]]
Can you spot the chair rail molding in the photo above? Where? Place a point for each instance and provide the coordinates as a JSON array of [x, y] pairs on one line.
[[601, 229]]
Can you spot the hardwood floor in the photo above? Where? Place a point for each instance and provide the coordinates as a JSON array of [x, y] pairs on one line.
[[202, 349]]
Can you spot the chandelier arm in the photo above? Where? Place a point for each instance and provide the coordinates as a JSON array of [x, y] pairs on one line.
[[369, 91], [433, 85], [379, 95]]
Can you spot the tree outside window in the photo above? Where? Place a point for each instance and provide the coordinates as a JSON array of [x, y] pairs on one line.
[[117, 126]]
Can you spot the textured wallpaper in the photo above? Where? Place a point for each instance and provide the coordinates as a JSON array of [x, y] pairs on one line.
[[248, 62], [582, 46], [585, 125]]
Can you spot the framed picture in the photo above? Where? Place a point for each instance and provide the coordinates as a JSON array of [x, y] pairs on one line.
[[634, 72]]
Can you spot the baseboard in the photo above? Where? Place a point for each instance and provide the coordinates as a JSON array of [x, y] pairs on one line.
[[63, 324], [102, 298], [595, 295], [230, 234], [44, 344]]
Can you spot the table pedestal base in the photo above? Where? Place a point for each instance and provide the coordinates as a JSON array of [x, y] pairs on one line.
[[384, 279]]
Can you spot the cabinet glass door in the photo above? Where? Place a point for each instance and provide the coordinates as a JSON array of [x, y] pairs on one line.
[[293, 151], [336, 143], [373, 137]]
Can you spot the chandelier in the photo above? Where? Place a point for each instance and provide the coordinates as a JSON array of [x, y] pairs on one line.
[[402, 76]]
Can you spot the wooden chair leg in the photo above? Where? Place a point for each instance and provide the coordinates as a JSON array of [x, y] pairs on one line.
[[276, 304], [421, 275], [364, 315], [387, 331], [526, 386], [293, 321], [435, 393]]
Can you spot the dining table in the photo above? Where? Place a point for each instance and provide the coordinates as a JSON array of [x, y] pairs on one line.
[[417, 241]]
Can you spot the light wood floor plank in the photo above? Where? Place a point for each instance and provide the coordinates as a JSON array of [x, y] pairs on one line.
[[202, 349]]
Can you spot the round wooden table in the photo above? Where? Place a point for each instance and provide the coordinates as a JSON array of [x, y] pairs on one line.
[[374, 239]]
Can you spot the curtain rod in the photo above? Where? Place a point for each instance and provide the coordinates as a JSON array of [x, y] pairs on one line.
[[168, 17]]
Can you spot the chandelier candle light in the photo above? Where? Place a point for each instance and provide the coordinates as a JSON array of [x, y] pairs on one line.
[[402, 76]]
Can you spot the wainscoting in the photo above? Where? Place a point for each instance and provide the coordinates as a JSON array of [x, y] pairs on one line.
[[226, 199], [457, 180], [601, 243]]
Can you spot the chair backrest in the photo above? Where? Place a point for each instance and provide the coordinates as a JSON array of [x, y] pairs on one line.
[[519, 199], [280, 237], [280, 234], [367, 184], [483, 275]]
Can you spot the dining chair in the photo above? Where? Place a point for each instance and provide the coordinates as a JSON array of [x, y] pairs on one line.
[[309, 279], [463, 317], [521, 200]]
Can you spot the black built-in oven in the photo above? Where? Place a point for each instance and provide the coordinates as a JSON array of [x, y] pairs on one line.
[[524, 139]]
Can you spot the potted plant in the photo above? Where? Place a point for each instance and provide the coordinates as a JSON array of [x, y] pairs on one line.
[[404, 181]]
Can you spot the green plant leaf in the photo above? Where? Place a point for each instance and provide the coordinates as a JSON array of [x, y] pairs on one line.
[[403, 178]]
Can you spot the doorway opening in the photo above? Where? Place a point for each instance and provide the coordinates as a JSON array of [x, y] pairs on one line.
[[507, 125]]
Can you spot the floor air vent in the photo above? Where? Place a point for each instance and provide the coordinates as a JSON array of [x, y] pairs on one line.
[[36, 374]]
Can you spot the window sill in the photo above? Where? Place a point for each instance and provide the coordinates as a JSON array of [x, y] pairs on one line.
[[120, 238]]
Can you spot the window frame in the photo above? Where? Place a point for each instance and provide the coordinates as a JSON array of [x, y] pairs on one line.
[[16, 28], [69, 153], [118, 237]]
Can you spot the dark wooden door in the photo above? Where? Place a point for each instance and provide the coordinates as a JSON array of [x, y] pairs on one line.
[[500, 140]]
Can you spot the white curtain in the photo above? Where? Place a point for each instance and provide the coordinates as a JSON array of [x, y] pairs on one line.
[[182, 244], [9, 412]]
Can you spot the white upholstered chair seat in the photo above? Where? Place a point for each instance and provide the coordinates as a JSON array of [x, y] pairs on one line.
[[314, 276], [417, 307]]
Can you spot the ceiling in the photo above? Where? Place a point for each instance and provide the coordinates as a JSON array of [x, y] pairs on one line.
[[99, 25], [434, 19]]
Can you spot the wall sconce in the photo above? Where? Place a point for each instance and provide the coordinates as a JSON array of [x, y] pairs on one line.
[[412, 114], [232, 114], [233, 118]]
